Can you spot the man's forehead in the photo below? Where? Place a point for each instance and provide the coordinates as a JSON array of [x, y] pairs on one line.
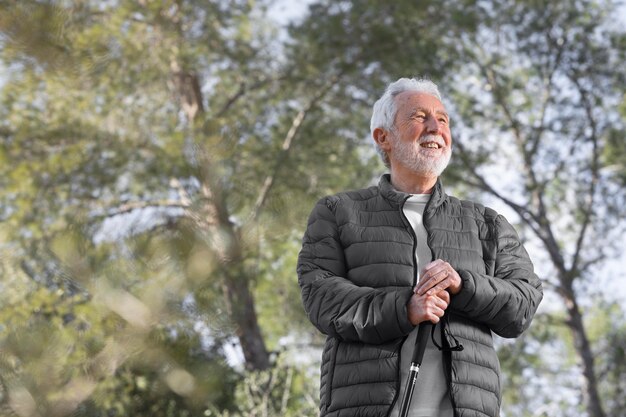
[[413, 100]]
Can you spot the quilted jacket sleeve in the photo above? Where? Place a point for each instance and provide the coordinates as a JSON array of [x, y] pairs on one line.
[[508, 300], [334, 304]]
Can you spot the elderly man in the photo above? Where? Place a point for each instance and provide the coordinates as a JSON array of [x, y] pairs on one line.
[[377, 262]]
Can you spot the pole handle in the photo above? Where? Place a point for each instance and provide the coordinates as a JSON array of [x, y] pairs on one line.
[[421, 341]]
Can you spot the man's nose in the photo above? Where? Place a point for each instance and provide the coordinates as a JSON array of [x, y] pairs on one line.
[[433, 125]]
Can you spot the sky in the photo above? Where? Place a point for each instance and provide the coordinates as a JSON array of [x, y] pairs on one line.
[[284, 11]]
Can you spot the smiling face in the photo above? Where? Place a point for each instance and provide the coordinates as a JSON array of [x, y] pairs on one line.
[[421, 140]]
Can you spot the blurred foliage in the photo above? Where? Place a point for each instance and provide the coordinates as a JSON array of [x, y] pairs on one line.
[[271, 393], [541, 376], [607, 326], [614, 154], [158, 160]]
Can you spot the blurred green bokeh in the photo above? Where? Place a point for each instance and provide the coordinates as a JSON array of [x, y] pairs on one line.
[[158, 160]]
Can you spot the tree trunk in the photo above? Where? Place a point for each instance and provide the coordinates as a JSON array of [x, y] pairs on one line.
[[581, 343], [228, 245], [216, 219], [241, 304], [575, 323]]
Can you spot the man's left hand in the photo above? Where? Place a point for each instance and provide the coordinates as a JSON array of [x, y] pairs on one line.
[[437, 276]]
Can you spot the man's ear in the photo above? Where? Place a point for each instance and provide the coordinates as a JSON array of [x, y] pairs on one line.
[[381, 137]]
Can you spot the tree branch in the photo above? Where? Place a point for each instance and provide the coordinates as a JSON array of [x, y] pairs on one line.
[[531, 219], [137, 205], [296, 124], [242, 90], [587, 210], [547, 93], [543, 227], [527, 215]]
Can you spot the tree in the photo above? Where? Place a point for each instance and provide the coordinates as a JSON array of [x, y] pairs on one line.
[[123, 198], [155, 154], [539, 92], [159, 159]]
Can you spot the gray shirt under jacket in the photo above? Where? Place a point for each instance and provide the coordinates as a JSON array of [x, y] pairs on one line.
[[431, 397]]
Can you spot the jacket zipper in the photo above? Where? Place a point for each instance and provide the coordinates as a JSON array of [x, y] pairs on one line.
[[407, 226]]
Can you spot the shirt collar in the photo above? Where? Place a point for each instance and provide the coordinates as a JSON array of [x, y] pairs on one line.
[[399, 197]]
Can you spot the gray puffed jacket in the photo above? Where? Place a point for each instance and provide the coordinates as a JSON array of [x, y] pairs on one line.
[[356, 272]]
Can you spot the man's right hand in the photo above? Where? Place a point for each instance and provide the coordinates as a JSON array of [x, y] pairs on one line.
[[427, 307]]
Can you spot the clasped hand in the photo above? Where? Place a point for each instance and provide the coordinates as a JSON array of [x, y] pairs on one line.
[[431, 296]]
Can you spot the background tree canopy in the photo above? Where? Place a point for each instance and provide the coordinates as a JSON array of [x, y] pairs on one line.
[[158, 161]]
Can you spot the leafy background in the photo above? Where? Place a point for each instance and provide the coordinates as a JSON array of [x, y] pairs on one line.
[[159, 158]]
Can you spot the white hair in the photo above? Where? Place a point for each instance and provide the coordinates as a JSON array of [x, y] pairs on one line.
[[384, 113]]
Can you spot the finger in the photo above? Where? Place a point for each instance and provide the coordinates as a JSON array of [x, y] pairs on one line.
[[425, 281], [437, 312], [437, 270], [430, 281], [444, 295], [432, 308], [432, 264], [433, 269], [440, 303], [432, 317], [441, 286], [434, 304]]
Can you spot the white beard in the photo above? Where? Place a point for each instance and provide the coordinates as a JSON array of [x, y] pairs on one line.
[[417, 159]]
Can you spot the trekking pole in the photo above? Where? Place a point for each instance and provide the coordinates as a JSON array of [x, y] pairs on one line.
[[418, 354]]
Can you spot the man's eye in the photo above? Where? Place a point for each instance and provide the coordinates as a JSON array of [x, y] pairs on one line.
[[443, 120]]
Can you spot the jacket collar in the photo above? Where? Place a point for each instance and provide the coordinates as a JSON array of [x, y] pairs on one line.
[[388, 192]]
